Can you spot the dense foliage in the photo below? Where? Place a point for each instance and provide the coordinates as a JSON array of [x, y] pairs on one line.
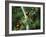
[[19, 22]]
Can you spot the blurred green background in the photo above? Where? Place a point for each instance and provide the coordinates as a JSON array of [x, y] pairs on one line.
[[32, 20]]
